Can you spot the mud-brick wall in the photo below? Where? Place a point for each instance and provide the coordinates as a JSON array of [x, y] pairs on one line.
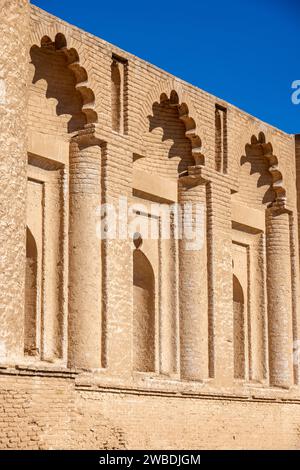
[[35, 411], [198, 423], [297, 149], [44, 411]]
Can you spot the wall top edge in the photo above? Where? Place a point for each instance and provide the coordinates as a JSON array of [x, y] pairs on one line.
[[129, 56]]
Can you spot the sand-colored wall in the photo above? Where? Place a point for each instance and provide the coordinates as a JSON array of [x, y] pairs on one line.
[[45, 411], [13, 118], [117, 345]]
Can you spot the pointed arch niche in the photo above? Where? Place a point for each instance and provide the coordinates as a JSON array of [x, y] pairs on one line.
[[144, 316], [239, 322], [31, 298]]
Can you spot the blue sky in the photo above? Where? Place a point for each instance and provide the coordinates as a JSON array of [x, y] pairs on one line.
[[246, 52]]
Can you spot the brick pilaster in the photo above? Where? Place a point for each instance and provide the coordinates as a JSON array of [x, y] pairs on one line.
[[85, 255], [279, 297]]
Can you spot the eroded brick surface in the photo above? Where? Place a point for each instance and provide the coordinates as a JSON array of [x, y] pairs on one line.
[[139, 343]]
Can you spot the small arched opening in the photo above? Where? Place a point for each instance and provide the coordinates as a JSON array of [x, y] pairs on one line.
[[30, 317], [238, 329], [143, 313]]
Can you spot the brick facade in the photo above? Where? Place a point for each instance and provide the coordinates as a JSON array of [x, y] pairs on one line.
[[114, 344]]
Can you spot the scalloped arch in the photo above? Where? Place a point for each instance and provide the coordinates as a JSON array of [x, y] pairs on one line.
[[79, 73], [172, 92], [276, 175]]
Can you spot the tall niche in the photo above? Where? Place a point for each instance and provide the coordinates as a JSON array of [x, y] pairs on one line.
[[238, 329], [143, 313], [44, 297], [31, 299]]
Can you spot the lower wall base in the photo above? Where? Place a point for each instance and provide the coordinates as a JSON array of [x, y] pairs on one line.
[[38, 412]]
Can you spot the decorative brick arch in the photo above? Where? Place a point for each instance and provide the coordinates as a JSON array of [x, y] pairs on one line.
[[171, 91], [79, 73], [268, 146], [276, 175]]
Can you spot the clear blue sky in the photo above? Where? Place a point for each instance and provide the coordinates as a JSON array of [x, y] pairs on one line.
[[246, 52]]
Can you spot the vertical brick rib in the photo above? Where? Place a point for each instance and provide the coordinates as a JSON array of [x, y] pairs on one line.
[[279, 297], [219, 282], [193, 294], [84, 257]]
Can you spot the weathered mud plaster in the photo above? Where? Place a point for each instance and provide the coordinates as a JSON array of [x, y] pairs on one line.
[[134, 341]]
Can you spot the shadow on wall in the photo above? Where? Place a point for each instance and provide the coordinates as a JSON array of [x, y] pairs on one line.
[[30, 295], [116, 96], [51, 66], [143, 313], [166, 117], [254, 154], [239, 329]]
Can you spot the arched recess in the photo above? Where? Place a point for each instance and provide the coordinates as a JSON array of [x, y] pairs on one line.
[[190, 125], [30, 317], [143, 313], [259, 154], [67, 81], [238, 329]]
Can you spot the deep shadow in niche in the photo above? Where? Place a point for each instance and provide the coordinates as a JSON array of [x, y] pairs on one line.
[[116, 96], [30, 318], [166, 116], [239, 329], [51, 65], [143, 313]]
